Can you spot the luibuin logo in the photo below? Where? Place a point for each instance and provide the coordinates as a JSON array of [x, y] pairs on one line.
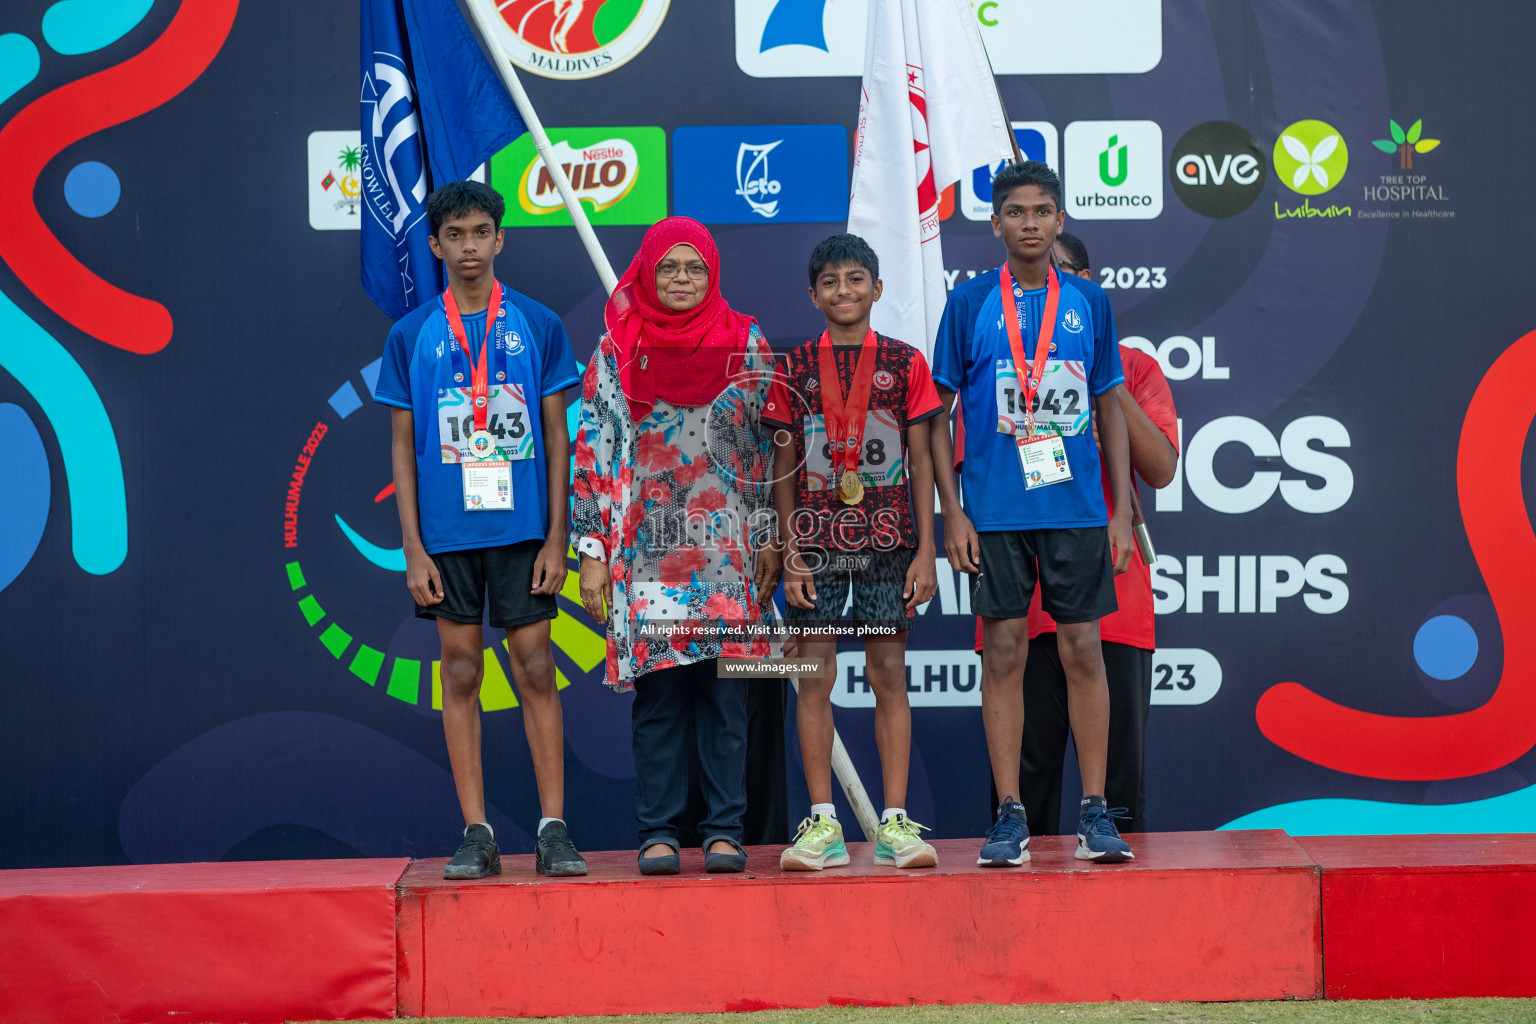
[[1122, 166], [1405, 144], [1311, 157]]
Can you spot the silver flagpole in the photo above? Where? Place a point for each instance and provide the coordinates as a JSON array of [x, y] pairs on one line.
[[480, 11]]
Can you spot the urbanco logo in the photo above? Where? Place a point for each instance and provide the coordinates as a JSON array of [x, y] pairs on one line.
[[1311, 157], [574, 38], [1218, 169], [1114, 170]]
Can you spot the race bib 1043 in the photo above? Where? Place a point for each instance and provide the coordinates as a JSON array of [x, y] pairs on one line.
[[1060, 401], [507, 422], [880, 463]]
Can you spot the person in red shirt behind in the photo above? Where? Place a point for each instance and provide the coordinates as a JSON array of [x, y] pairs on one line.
[[1127, 635]]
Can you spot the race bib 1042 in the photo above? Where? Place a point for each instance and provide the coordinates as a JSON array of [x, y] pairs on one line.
[[1060, 401], [507, 422]]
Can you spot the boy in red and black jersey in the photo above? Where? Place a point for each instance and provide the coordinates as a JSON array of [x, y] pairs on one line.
[[853, 410]]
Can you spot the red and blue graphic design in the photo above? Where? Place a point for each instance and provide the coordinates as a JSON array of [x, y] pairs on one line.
[[29, 140]]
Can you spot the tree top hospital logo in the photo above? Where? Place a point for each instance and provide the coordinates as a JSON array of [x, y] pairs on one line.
[[1311, 157], [1217, 169], [575, 38], [1405, 144]]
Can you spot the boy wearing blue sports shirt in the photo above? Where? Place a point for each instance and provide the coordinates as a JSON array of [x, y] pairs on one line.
[[476, 381], [1032, 353]]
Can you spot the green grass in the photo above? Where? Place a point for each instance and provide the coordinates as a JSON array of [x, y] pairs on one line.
[[1401, 1011]]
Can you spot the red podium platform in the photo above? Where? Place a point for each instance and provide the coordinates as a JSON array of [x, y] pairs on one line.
[[252, 942], [1197, 916], [1427, 916]]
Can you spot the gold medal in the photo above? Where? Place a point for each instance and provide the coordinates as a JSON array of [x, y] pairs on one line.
[[850, 488]]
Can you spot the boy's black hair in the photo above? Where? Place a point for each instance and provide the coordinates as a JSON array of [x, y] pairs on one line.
[[1028, 172], [843, 248], [1076, 251], [460, 197]]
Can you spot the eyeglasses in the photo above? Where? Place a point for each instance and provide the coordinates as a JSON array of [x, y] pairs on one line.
[[669, 269], [1069, 268]]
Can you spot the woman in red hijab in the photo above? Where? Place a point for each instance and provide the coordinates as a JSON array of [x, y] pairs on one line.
[[675, 526]]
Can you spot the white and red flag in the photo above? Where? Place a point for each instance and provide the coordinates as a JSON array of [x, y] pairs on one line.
[[928, 113]]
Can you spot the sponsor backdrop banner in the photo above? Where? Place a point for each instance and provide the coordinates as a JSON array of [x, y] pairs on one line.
[[1312, 222]]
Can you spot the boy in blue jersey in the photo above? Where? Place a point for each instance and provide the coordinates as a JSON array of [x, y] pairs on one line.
[[476, 381], [1032, 353]]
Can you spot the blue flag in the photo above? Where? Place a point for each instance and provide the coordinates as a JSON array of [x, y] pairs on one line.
[[432, 111]]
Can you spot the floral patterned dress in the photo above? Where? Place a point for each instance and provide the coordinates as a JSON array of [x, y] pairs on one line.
[[677, 504]]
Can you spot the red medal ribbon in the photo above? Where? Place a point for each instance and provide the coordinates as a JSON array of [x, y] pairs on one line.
[[1029, 385], [479, 373], [846, 421]]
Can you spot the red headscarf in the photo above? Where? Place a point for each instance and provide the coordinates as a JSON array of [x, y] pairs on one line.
[[684, 358]]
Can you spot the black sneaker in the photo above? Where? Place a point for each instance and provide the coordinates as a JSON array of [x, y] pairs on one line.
[[556, 854], [477, 856]]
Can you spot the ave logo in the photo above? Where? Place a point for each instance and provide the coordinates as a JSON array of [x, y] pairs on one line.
[[1218, 169]]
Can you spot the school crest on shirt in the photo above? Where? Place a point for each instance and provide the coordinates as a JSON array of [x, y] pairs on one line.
[[1071, 321]]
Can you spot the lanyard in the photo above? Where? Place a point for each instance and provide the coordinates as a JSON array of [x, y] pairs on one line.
[[846, 422], [479, 373], [1030, 384]]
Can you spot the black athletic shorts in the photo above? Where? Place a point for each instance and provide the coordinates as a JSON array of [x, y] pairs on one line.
[[1072, 566], [505, 572], [877, 579]]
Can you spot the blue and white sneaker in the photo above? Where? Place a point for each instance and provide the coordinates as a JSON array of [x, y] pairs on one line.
[[1007, 844], [1097, 837]]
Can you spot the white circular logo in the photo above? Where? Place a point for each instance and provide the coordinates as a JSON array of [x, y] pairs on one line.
[[884, 380], [573, 38]]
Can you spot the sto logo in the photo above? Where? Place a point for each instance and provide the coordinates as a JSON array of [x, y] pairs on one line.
[[795, 21], [68, 398]]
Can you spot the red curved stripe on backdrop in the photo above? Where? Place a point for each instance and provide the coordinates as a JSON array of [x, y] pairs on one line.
[[49, 124], [1499, 530]]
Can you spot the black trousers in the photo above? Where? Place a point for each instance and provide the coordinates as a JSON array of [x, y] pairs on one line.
[[1046, 727], [766, 820], [678, 711]]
